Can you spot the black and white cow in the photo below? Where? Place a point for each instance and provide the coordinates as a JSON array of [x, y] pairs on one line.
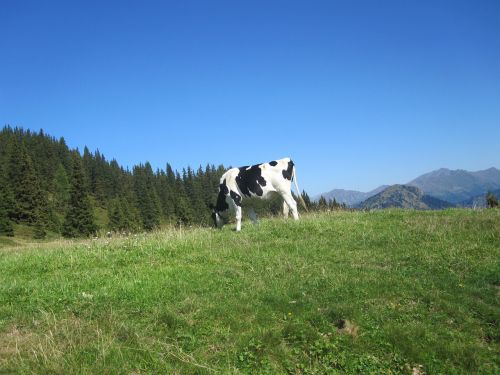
[[260, 180]]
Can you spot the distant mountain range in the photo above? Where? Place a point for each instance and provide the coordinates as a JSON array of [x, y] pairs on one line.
[[403, 196], [458, 185], [437, 189], [350, 197]]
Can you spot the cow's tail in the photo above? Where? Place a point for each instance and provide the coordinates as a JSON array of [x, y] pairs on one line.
[[294, 178]]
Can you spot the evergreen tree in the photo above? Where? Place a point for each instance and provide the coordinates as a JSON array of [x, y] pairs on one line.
[[64, 154], [147, 199], [130, 216], [79, 221], [121, 216], [333, 204], [183, 210], [166, 195], [115, 216], [322, 204], [127, 197], [306, 198], [192, 185], [209, 191], [61, 188], [491, 200], [39, 227], [25, 186], [6, 228], [6, 203]]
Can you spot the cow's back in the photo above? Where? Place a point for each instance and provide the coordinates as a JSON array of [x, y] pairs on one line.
[[260, 180]]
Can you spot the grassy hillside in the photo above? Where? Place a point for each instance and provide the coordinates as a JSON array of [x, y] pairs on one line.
[[344, 292]]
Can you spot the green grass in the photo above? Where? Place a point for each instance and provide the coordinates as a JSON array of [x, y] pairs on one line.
[[342, 292]]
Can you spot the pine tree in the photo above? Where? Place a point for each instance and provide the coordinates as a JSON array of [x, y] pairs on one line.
[[306, 198], [6, 206], [130, 216], [25, 186], [61, 188], [6, 228], [121, 216], [39, 227], [322, 204], [79, 221], [491, 200], [129, 208], [192, 184], [147, 199], [166, 195], [115, 216], [183, 210], [333, 204]]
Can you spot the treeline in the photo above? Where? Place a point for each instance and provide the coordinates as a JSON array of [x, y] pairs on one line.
[[324, 204], [50, 188]]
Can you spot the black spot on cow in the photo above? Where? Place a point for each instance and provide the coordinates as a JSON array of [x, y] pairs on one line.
[[250, 180], [236, 198], [273, 163], [287, 173]]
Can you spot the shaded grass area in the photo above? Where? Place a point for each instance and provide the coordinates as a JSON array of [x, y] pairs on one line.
[[340, 292]]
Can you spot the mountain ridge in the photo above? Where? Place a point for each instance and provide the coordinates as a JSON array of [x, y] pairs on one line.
[[454, 186], [457, 185], [350, 197], [403, 196]]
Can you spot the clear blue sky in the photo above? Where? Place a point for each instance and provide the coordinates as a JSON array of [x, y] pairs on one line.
[[358, 93]]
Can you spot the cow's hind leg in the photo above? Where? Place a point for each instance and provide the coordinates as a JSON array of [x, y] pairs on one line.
[[292, 205], [238, 214], [252, 215]]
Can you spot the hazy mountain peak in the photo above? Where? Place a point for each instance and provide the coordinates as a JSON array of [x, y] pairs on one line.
[[403, 196], [349, 197], [457, 185]]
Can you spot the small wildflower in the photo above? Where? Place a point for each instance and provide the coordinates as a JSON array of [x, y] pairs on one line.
[[87, 295]]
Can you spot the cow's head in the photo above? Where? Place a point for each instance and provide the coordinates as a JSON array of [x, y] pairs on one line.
[[221, 209], [216, 217]]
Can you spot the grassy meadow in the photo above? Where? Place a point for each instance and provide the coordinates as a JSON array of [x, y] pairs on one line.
[[386, 292]]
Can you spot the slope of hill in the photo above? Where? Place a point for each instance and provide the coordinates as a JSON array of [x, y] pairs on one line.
[[350, 197], [403, 196], [457, 185], [348, 292]]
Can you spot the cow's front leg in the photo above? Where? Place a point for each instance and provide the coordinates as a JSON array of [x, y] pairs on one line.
[[236, 203], [238, 218]]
